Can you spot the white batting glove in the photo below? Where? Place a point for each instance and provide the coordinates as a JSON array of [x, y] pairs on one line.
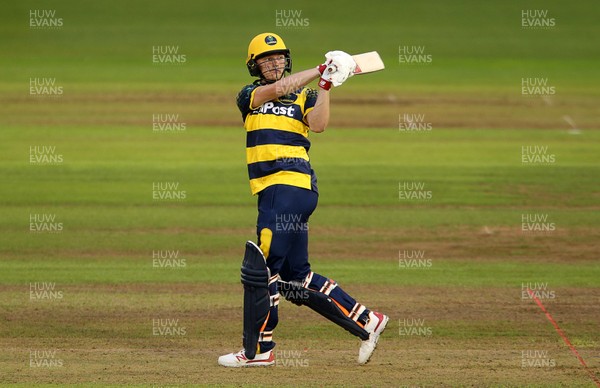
[[341, 61], [338, 77], [335, 78], [338, 67]]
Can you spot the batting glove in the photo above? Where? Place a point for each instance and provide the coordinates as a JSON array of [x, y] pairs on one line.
[[342, 62], [325, 81]]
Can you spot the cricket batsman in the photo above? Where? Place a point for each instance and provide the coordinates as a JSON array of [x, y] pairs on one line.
[[279, 111]]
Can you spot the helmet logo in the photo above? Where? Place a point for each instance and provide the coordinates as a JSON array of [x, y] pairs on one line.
[[270, 40]]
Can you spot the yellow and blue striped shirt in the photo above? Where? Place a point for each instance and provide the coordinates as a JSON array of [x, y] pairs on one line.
[[277, 139]]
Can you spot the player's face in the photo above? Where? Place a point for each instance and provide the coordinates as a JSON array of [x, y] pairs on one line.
[[272, 66]]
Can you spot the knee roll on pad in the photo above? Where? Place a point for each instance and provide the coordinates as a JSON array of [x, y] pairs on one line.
[[255, 278]]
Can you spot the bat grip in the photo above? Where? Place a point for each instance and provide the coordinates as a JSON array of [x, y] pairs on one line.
[[332, 68]]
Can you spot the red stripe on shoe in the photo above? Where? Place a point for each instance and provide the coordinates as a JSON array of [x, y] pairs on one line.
[[380, 317]]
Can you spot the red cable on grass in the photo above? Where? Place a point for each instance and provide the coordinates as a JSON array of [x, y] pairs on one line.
[[564, 336]]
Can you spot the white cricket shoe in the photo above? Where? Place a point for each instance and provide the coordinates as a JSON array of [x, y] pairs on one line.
[[236, 360], [375, 326]]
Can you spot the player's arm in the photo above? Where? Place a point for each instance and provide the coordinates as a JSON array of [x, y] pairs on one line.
[[318, 117], [283, 87]]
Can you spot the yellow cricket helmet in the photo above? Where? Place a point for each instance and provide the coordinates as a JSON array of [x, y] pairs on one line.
[[266, 44]]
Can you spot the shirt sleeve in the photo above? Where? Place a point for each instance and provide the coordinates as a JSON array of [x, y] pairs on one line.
[[309, 102], [244, 99]]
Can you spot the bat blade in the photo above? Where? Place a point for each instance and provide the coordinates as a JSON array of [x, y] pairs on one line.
[[368, 63]]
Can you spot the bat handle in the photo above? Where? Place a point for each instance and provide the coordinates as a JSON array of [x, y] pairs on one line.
[[332, 68]]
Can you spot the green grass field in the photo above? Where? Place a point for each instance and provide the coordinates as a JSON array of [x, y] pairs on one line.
[[78, 306]]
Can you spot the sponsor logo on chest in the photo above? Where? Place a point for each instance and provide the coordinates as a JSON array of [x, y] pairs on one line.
[[271, 108]]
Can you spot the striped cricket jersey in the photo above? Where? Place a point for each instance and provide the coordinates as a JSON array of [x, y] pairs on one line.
[[277, 139]]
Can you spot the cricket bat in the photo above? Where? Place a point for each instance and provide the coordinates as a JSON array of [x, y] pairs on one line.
[[365, 63]]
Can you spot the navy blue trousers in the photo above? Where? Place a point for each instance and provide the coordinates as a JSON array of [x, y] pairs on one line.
[[282, 228]]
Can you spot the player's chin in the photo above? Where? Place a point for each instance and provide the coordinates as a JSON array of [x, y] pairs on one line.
[[273, 75]]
